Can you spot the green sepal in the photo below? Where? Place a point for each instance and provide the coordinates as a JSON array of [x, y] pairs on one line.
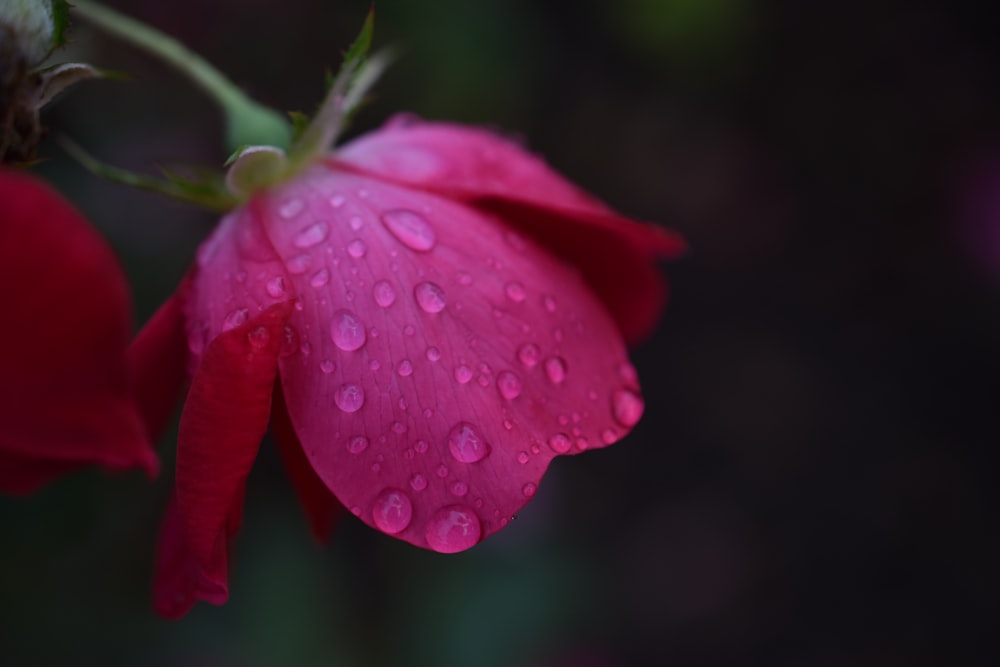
[[60, 22], [300, 122], [208, 194], [358, 50]]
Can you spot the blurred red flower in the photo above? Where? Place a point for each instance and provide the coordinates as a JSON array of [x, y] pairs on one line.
[[427, 317], [64, 390]]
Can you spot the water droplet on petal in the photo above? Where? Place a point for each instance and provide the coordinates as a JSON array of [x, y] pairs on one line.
[[549, 303], [522, 457], [430, 297], [276, 287], [235, 319], [259, 338], [555, 369], [609, 436], [433, 354], [357, 249], [299, 264], [357, 444], [418, 482], [290, 208], [384, 293], [509, 385], [337, 201], [374, 364], [347, 331], [464, 278], [405, 368], [320, 278], [411, 228], [421, 446], [392, 511], [356, 222], [515, 292], [466, 444], [349, 397], [327, 366], [529, 490], [627, 407], [560, 443], [463, 374], [452, 529], [312, 235], [528, 354], [442, 471], [459, 488]]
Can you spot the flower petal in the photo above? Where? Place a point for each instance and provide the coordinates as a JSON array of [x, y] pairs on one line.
[[320, 505], [180, 578], [225, 417], [64, 395], [484, 169], [444, 360]]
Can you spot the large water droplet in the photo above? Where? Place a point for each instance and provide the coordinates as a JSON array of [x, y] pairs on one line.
[[515, 292], [290, 208], [320, 278], [627, 407], [560, 443], [411, 228], [528, 354], [235, 319], [430, 297], [384, 293], [312, 235], [392, 511], [509, 385], [418, 482], [349, 397], [405, 368], [357, 249], [555, 369], [276, 287], [347, 331], [452, 529], [357, 444], [466, 444]]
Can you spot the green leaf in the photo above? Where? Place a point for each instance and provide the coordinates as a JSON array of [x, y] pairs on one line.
[[60, 22], [362, 43]]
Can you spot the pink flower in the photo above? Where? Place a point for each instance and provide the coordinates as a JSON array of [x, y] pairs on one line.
[[64, 394], [427, 317]]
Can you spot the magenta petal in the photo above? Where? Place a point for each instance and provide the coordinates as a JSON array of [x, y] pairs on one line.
[[225, 417], [181, 579], [444, 360]]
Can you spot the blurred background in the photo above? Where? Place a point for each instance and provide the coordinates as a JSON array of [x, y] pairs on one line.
[[812, 482]]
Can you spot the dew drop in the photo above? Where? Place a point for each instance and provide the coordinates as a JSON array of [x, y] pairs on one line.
[[433, 354], [418, 482], [349, 397], [555, 369], [357, 249], [464, 278], [609, 436], [337, 201], [235, 319], [312, 235], [399, 428], [327, 366], [404, 368], [374, 364], [409, 330], [276, 287], [357, 444], [290, 208], [299, 264], [528, 490], [347, 331], [463, 374], [442, 471], [452, 529], [466, 444], [410, 228], [421, 446], [515, 292], [549, 303], [290, 342], [428, 413], [320, 278], [430, 297], [627, 407], [528, 354], [560, 443], [392, 511], [259, 338], [356, 222], [509, 385], [459, 489], [522, 457], [384, 293]]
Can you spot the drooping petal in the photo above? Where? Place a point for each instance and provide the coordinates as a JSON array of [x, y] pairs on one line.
[[319, 503], [64, 394], [615, 254], [444, 360], [180, 578], [225, 417], [157, 361]]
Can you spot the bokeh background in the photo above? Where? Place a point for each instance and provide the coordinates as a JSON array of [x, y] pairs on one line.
[[813, 482]]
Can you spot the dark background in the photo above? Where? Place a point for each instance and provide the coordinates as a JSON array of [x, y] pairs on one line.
[[813, 482]]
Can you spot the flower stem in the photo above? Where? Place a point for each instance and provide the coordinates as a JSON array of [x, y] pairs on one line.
[[247, 122]]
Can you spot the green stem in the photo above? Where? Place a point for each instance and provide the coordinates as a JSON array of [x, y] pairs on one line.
[[247, 122]]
